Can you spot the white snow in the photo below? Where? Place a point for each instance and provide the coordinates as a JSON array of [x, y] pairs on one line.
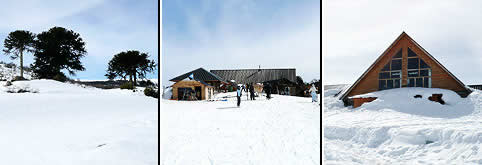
[[71, 124], [397, 128], [283, 130]]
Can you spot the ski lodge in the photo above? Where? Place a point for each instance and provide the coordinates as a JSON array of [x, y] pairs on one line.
[[200, 84], [403, 64]]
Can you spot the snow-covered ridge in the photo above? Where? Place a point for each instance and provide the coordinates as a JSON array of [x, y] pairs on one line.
[[397, 128]]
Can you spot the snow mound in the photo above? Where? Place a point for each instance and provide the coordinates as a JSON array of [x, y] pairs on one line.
[[167, 93], [397, 128], [403, 100]]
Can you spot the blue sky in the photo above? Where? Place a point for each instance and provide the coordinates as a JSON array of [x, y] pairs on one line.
[[107, 26], [240, 34], [355, 33]]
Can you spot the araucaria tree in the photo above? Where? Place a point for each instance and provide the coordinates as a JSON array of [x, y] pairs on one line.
[[18, 42], [55, 50], [131, 63]]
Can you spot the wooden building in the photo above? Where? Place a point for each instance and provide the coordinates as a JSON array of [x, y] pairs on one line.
[[198, 87], [404, 64], [280, 79]]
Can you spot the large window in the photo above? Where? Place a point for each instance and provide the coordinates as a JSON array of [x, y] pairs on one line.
[[391, 74], [418, 72]]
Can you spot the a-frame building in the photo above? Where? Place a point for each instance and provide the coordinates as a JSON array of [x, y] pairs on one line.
[[405, 64]]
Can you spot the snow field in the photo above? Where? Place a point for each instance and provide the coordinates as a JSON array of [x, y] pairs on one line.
[[283, 130], [69, 124]]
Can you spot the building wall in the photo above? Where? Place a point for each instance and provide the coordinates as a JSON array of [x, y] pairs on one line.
[[440, 78], [188, 84]]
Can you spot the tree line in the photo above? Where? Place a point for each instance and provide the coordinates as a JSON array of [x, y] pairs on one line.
[[61, 49]]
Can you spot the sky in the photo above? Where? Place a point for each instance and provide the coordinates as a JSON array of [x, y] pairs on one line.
[[240, 34], [107, 27], [355, 34]]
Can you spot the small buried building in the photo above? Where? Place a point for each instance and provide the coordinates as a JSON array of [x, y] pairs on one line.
[[195, 85], [404, 64], [281, 80]]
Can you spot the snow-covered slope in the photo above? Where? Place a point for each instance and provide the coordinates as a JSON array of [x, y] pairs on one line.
[[283, 130], [7, 73], [70, 124], [400, 129]]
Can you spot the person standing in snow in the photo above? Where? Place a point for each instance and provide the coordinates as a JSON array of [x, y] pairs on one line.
[[267, 89], [313, 93], [246, 86], [238, 94], [251, 91]]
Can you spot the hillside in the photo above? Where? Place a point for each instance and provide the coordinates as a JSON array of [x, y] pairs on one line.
[[400, 129], [64, 123]]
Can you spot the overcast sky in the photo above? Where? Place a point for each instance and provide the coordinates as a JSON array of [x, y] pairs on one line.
[[107, 26], [355, 33], [240, 34]]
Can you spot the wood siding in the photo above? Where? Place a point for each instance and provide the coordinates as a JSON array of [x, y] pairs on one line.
[[440, 78], [192, 85]]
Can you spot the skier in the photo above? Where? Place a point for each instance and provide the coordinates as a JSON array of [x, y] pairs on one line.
[[267, 89], [313, 93], [239, 93], [251, 91], [246, 86]]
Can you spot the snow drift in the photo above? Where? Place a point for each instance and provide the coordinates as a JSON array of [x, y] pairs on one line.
[[398, 128]]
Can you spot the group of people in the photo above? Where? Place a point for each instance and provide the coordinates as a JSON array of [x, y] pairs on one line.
[[267, 88], [247, 88]]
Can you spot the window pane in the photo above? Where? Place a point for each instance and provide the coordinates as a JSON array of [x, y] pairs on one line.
[[425, 82], [413, 73], [411, 82], [396, 83], [424, 72], [389, 84], [384, 75], [381, 84], [399, 54], [386, 67], [419, 82], [413, 63], [411, 53], [423, 64], [395, 74], [396, 64]]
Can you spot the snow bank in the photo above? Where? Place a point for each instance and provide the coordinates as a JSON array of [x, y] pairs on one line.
[[400, 129]]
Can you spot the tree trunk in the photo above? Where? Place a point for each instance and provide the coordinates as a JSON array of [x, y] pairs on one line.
[[21, 63], [130, 77], [135, 79]]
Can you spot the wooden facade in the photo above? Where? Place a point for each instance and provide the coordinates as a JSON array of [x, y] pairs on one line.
[[202, 91], [439, 76]]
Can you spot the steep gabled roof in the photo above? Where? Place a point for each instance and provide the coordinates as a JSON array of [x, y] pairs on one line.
[[346, 92], [200, 74]]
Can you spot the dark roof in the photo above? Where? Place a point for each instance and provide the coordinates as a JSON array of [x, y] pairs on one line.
[[243, 76], [199, 74]]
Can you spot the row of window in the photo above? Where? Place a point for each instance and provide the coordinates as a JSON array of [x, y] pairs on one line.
[[420, 82], [389, 84], [424, 82], [418, 72]]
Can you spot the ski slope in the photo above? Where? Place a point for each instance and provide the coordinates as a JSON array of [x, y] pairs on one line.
[[283, 130], [70, 124], [400, 129]]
